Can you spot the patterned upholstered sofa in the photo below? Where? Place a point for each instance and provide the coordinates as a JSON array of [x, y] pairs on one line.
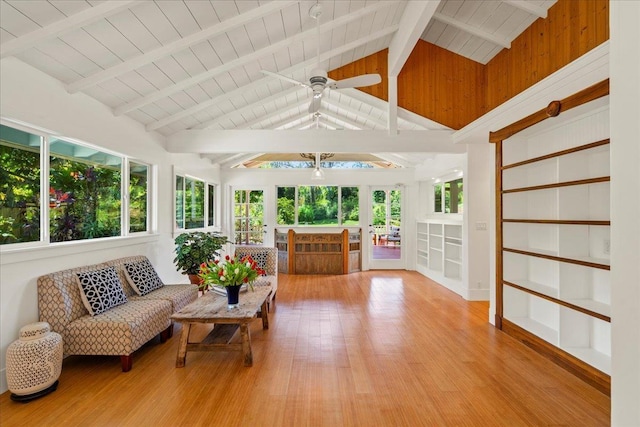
[[267, 259], [119, 330]]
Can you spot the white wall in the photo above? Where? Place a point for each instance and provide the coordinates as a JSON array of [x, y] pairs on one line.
[[34, 98], [477, 211], [625, 212]]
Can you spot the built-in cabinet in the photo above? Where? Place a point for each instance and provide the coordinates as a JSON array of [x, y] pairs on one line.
[[439, 251], [319, 253], [553, 285]]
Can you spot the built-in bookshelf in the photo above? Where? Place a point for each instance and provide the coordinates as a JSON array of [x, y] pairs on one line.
[[553, 288], [439, 252]]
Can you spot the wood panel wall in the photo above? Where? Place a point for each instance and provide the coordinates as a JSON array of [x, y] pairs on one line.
[[453, 90], [571, 29], [442, 86]]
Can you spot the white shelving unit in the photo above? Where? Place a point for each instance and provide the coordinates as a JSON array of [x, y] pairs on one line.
[[439, 253], [554, 237]]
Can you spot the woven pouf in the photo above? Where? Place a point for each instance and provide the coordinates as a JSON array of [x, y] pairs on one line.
[[34, 362]]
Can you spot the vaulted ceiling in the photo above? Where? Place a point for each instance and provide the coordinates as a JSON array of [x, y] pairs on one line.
[[194, 67]]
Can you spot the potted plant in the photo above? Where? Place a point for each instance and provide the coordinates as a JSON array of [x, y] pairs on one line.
[[195, 248]]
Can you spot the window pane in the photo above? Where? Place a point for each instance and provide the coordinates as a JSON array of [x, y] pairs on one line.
[[194, 203], [437, 197], [85, 200], [138, 191], [349, 205], [286, 205], [19, 186], [211, 211], [179, 201], [318, 205], [248, 217]]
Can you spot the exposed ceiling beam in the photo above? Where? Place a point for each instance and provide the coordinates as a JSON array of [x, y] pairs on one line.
[[176, 46], [357, 112], [500, 41], [251, 106], [239, 158], [246, 59], [304, 117], [277, 112], [415, 18], [382, 105], [528, 7], [70, 23], [390, 157], [263, 81], [345, 120], [345, 141]]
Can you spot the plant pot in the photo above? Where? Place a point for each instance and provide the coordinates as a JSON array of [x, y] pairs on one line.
[[194, 279]]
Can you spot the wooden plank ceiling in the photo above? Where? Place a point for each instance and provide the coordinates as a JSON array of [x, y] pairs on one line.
[[194, 64]]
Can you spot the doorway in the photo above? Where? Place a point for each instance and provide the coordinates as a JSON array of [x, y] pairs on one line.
[[248, 217], [385, 229]]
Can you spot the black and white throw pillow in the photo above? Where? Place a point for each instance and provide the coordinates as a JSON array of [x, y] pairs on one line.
[[101, 290], [142, 277]]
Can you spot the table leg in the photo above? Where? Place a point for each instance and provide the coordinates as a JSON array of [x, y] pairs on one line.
[[182, 346], [246, 343], [263, 312]]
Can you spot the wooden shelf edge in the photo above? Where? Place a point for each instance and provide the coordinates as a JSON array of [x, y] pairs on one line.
[[558, 154], [558, 258], [592, 376], [559, 302], [559, 221], [559, 184]]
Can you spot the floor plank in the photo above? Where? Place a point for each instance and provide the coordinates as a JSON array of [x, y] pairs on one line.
[[374, 348]]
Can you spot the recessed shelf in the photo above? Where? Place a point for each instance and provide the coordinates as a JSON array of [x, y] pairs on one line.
[[546, 333]]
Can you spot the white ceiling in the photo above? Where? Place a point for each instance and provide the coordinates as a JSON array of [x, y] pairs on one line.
[[194, 65]]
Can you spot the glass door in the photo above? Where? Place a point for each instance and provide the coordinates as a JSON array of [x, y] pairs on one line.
[[248, 217], [385, 228]]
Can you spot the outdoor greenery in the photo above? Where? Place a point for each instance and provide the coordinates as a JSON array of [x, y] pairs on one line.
[[19, 187], [84, 190], [449, 188], [318, 205], [248, 213], [387, 207]]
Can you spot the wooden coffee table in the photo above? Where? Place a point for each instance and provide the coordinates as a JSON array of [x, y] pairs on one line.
[[212, 308]]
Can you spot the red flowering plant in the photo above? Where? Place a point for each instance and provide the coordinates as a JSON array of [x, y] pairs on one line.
[[231, 272]]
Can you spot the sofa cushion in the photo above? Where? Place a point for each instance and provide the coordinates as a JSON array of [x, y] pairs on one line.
[[101, 290], [142, 277], [118, 331], [178, 295]]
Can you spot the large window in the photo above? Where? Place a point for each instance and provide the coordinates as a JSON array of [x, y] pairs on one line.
[[194, 201], [318, 205], [83, 197]]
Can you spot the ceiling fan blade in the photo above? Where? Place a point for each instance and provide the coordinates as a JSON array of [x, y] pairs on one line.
[[280, 76], [314, 107], [357, 81]]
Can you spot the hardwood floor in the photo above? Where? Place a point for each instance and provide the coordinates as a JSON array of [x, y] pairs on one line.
[[379, 348]]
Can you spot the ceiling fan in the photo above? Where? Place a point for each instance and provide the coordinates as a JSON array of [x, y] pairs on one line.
[[318, 81]]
